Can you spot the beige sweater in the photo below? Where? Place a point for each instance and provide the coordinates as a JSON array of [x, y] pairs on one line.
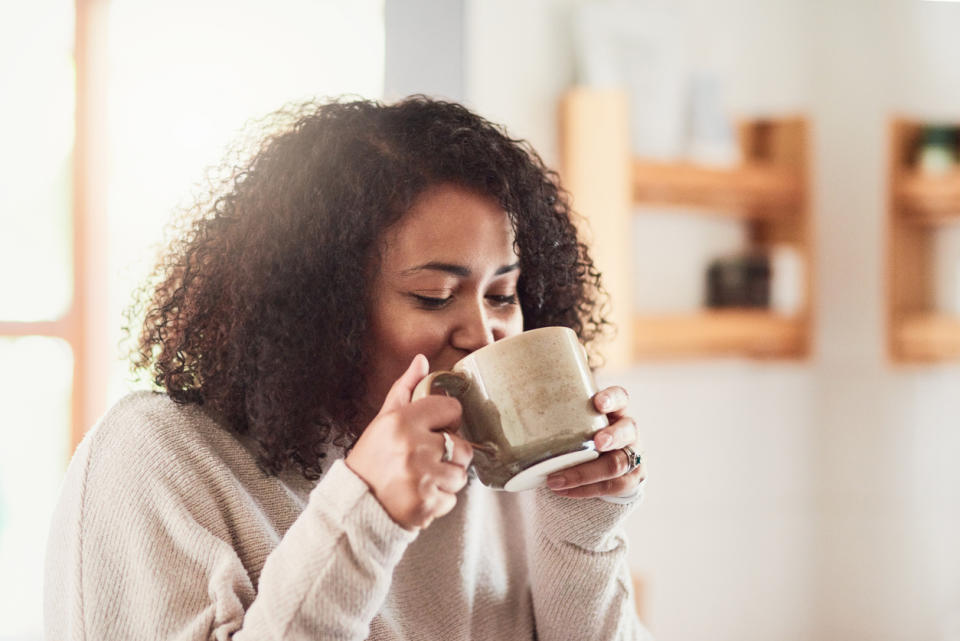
[[167, 529]]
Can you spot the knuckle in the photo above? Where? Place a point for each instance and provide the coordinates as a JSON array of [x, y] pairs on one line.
[[427, 508], [465, 462], [616, 464], [421, 452], [457, 478], [426, 487], [627, 429], [448, 405], [420, 448]]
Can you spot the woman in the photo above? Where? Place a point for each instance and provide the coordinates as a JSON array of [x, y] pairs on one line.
[[281, 484]]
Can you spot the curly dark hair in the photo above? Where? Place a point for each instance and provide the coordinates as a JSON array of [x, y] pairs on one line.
[[259, 308]]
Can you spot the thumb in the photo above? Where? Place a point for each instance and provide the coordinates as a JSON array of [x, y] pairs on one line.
[[402, 389]]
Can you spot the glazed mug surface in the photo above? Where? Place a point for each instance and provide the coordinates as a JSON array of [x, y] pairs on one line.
[[527, 406]]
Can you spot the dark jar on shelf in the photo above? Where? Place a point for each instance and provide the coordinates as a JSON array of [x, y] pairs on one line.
[[739, 281]]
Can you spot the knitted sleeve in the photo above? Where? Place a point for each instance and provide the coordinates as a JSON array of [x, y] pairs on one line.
[[580, 579], [331, 572], [144, 545]]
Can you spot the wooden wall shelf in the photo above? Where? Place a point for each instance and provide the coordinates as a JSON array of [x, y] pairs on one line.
[[768, 191], [919, 205], [928, 337], [757, 334], [750, 191], [928, 199]]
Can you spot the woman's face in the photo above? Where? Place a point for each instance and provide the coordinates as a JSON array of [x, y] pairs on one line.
[[447, 285]]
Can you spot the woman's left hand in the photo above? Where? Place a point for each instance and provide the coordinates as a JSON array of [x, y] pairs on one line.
[[611, 473]]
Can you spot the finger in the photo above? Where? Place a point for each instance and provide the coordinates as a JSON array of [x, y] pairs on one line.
[[462, 450], [620, 486], [609, 466], [620, 433], [612, 400], [428, 455], [402, 389], [433, 413], [450, 478], [434, 502], [442, 504]]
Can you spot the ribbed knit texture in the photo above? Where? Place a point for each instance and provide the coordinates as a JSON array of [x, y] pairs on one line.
[[167, 529]]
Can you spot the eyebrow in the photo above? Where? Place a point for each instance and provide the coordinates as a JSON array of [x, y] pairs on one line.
[[456, 270]]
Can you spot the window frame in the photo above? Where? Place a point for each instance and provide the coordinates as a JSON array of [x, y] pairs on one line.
[[84, 325]]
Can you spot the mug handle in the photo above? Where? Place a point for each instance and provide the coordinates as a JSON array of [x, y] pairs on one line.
[[451, 382], [454, 384]]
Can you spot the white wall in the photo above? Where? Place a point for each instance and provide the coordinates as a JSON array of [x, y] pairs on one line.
[[424, 44], [724, 539], [798, 501], [887, 487], [518, 59]]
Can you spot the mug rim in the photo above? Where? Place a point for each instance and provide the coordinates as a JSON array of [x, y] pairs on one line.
[[525, 334]]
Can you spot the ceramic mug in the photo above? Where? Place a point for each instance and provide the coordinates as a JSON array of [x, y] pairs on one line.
[[527, 406]]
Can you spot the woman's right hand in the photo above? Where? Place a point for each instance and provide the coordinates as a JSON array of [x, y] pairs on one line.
[[399, 453]]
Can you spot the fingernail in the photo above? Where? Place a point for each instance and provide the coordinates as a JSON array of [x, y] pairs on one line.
[[556, 482], [419, 363], [603, 441], [605, 403]]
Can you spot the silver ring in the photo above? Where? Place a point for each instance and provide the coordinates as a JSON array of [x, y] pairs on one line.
[[447, 448], [634, 458]]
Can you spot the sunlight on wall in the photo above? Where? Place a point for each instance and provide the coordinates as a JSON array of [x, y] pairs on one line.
[[185, 78]]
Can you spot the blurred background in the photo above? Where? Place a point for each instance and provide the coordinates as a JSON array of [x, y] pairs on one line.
[[771, 188]]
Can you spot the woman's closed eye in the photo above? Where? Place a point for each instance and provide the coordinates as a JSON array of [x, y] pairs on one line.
[[502, 300], [431, 302], [439, 302]]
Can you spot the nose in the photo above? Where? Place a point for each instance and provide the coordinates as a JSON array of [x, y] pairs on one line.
[[475, 328]]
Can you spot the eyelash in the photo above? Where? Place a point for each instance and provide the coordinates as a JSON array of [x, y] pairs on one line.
[[430, 302], [502, 300]]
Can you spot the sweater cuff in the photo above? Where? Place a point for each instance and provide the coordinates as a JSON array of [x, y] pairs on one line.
[[590, 524], [635, 496], [341, 494]]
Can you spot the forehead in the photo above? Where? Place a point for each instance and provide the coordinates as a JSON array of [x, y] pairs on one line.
[[451, 224]]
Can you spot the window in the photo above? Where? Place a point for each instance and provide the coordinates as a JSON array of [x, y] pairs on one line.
[[36, 289], [168, 86]]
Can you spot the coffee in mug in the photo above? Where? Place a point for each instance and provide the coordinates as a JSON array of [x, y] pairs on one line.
[[527, 406]]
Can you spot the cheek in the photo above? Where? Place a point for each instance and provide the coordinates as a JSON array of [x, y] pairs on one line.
[[403, 339], [515, 323], [421, 337]]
